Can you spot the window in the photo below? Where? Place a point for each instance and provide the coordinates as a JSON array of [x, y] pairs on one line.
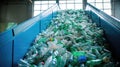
[[40, 6], [70, 4], [104, 5]]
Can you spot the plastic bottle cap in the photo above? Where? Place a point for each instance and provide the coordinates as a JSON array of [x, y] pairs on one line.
[[82, 59], [42, 63]]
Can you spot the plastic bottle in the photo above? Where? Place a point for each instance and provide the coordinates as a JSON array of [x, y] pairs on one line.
[[82, 65], [48, 61], [53, 62], [23, 63], [60, 61], [79, 53], [96, 52], [92, 63], [91, 56]]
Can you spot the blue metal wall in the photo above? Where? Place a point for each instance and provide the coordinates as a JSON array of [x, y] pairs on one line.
[[6, 41], [23, 41]]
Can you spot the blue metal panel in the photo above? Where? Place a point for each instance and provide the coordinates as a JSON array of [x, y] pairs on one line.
[[45, 22], [6, 48], [113, 37], [26, 24], [23, 41], [88, 13], [95, 18]]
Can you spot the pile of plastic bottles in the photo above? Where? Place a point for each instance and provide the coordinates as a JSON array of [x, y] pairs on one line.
[[71, 40]]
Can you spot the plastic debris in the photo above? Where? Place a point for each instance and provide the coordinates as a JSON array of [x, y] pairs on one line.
[[71, 40], [10, 25]]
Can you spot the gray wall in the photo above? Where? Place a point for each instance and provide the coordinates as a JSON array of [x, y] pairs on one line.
[[116, 8], [15, 11]]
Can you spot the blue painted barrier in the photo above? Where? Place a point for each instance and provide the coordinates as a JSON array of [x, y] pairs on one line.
[[6, 41]]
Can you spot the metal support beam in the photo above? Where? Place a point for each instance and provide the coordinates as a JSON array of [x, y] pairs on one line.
[[84, 4], [57, 1]]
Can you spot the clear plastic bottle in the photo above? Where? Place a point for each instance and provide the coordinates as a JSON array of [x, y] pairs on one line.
[[92, 63]]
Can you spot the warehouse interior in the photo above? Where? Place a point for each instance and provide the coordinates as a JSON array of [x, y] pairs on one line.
[[21, 13], [9, 11]]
